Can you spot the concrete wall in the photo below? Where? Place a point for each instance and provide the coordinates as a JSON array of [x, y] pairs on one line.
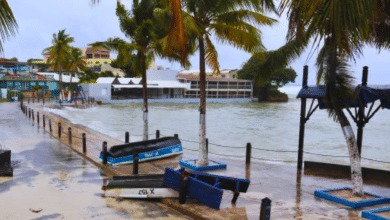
[[101, 91]]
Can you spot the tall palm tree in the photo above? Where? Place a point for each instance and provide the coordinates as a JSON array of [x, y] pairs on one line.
[[143, 26], [75, 62], [59, 52], [8, 24], [229, 21], [342, 27]]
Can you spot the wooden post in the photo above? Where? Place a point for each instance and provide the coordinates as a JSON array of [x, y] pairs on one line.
[[157, 134], [59, 129], [105, 152], [50, 129], [182, 189], [302, 120], [70, 135], [84, 144], [32, 114], [127, 137], [38, 118], [361, 117], [248, 153], [265, 209], [135, 163], [44, 122], [176, 135], [29, 112], [207, 146]]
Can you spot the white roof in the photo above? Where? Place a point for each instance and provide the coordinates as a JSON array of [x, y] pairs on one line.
[[124, 80], [105, 80], [65, 78], [156, 84]]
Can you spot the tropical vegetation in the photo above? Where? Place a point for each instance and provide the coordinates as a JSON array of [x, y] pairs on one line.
[[144, 26], [8, 24], [263, 90], [230, 22], [59, 54]]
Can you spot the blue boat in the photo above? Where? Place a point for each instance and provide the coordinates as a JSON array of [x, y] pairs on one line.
[[204, 187], [147, 150]]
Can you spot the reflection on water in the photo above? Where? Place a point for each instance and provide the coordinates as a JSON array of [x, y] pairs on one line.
[[270, 126]]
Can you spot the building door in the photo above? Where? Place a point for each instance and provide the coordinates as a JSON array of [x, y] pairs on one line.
[[172, 93]]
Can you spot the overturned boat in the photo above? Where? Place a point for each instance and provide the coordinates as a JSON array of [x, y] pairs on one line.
[[139, 186], [146, 150]]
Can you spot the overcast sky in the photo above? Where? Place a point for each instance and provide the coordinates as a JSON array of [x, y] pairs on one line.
[[39, 20]]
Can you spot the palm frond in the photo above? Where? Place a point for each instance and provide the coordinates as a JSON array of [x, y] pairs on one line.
[[278, 59], [211, 55], [244, 15], [241, 35]]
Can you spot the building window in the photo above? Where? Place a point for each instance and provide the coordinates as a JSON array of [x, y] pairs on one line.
[[106, 62], [89, 55], [97, 56]]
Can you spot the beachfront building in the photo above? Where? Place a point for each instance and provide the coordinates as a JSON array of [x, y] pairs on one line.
[[48, 82], [225, 73], [217, 87], [169, 84]]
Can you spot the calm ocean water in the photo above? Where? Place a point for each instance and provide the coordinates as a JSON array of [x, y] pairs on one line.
[[269, 126]]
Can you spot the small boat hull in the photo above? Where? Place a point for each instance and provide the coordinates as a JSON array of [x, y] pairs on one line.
[[142, 186], [144, 154], [142, 193]]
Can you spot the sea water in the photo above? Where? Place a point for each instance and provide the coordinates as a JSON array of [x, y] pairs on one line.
[[271, 128]]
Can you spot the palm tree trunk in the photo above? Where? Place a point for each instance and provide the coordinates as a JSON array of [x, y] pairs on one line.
[[145, 93], [356, 171], [203, 160], [60, 81]]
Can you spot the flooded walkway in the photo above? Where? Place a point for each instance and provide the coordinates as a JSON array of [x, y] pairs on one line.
[[53, 182]]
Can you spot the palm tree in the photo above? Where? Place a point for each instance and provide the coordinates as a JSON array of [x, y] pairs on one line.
[[228, 21], [8, 24], [59, 52], [342, 27], [75, 62], [143, 26]]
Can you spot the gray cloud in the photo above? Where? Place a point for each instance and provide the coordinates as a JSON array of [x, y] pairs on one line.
[[38, 20]]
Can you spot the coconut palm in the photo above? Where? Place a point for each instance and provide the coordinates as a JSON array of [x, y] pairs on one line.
[[342, 27], [148, 38], [75, 62], [8, 24], [229, 21], [59, 53]]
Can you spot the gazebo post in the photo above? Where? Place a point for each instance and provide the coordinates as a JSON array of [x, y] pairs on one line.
[[361, 121], [302, 120]]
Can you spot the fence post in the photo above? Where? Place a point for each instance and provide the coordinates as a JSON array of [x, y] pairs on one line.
[[207, 146], [29, 113], [248, 153], [182, 188], [135, 163], [176, 135], [84, 144], [38, 118], [127, 137], [44, 122], [157, 134], [50, 129], [70, 135], [265, 209], [59, 129], [32, 113], [104, 152]]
